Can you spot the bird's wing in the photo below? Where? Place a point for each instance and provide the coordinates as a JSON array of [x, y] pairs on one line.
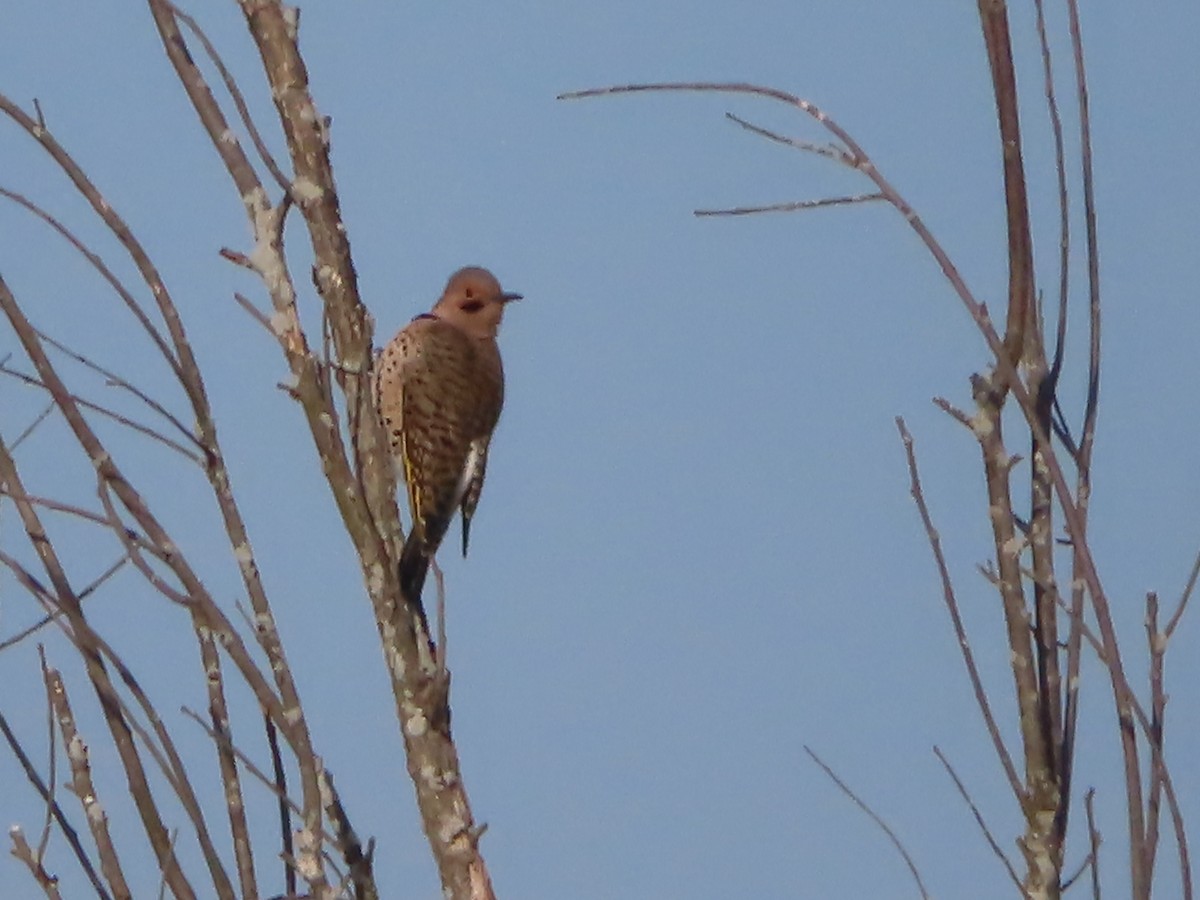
[[472, 485], [489, 380], [437, 410]]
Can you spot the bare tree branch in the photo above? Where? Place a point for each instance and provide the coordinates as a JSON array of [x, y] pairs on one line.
[[84, 787], [979, 820], [883, 826], [106, 694], [960, 631], [793, 207], [22, 851], [65, 828]]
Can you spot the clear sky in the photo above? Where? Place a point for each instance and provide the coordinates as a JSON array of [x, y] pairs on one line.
[[696, 551]]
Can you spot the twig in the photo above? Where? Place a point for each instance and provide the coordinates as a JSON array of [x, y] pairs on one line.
[[1160, 772], [358, 862], [22, 851], [1082, 564], [1173, 622], [134, 553], [262, 778], [829, 151], [82, 785], [52, 762], [1021, 325], [793, 207], [247, 763], [117, 381], [110, 414], [1064, 209], [1093, 839], [960, 631], [962, 790], [50, 617], [101, 206], [1156, 647], [285, 817], [891, 835], [235, 93], [1093, 247], [64, 827], [267, 224], [255, 313], [231, 782], [440, 580], [32, 426], [82, 634], [1083, 866]]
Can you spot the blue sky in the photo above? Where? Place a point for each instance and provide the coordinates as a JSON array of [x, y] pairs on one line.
[[696, 552]]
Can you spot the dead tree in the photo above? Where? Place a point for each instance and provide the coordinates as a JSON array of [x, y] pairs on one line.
[[1052, 600], [329, 381]]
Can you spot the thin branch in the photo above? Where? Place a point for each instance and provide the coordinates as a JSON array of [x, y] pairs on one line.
[[1094, 839], [1093, 248], [1083, 456], [164, 754], [1021, 324], [1083, 866], [829, 151], [32, 426], [235, 94], [82, 634], [285, 817], [891, 835], [276, 788], [979, 820], [359, 863], [793, 207], [255, 313], [115, 223], [51, 752], [22, 851], [1160, 771], [83, 786], [124, 421], [268, 232], [1157, 648], [960, 631], [64, 827], [247, 763], [50, 617], [235, 801], [442, 648], [205, 611], [1064, 209], [1173, 622], [117, 381], [133, 552], [856, 158]]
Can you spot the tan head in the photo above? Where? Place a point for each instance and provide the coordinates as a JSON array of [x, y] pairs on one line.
[[473, 301]]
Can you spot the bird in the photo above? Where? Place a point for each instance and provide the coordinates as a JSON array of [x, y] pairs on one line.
[[439, 390]]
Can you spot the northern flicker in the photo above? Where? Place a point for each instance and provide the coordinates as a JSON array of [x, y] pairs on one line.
[[439, 387]]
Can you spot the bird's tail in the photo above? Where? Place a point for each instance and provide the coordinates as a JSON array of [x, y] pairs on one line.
[[414, 566]]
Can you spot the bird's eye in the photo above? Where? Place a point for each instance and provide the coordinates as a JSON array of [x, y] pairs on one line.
[[472, 306]]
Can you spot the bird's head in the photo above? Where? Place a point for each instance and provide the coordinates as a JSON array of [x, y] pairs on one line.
[[474, 301]]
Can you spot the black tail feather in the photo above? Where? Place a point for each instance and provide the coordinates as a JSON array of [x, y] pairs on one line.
[[414, 566]]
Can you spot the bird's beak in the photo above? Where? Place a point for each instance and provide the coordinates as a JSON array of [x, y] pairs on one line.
[[509, 295]]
